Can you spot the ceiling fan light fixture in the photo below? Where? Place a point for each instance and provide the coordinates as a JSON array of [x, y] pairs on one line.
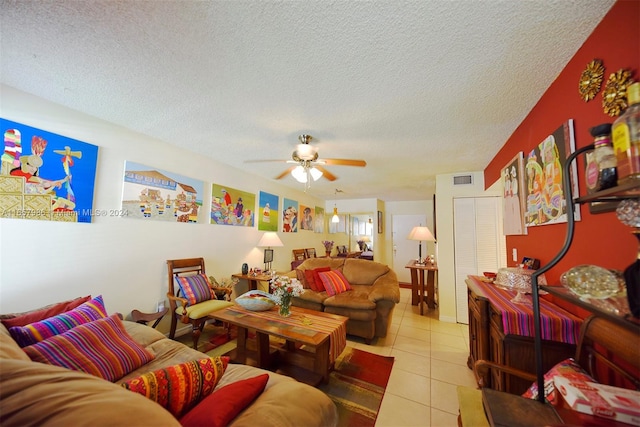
[[306, 151], [315, 173], [300, 174]]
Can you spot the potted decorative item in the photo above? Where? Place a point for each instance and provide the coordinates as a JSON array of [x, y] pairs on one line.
[[328, 246], [284, 288]]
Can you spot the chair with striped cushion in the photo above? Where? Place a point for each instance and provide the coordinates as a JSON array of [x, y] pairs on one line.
[[191, 295]]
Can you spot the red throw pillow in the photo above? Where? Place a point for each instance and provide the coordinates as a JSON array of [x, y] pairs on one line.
[[22, 319], [314, 280], [222, 406], [302, 279]]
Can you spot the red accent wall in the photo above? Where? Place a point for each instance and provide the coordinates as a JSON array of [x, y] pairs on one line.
[[599, 239]]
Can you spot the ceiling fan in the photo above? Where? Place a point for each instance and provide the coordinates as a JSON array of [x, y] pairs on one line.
[[307, 166]]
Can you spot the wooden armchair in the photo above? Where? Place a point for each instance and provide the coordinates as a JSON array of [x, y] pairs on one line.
[[310, 252], [193, 307], [608, 352], [342, 251], [299, 254]]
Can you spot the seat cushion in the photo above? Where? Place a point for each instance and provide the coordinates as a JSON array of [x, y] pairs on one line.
[[357, 299], [200, 310]]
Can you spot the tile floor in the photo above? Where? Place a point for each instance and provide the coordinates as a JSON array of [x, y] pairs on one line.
[[430, 362]]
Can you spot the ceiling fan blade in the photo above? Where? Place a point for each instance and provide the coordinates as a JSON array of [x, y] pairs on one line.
[[326, 173], [343, 162], [264, 161], [285, 173]]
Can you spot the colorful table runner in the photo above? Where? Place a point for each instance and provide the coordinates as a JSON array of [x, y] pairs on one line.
[[556, 324], [308, 324]]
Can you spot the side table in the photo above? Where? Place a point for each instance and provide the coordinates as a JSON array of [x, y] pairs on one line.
[[418, 284], [253, 280]]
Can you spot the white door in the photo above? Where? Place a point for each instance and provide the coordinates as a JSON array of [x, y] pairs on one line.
[[404, 250]]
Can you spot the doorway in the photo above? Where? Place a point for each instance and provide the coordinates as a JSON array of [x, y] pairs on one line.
[[404, 250]]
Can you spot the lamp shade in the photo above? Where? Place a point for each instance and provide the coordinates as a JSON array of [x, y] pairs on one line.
[[365, 239], [421, 233], [270, 239], [300, 174], [335, 218]]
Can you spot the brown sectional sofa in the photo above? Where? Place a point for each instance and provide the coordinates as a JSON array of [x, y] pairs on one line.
[[33, 393], [369, 305]]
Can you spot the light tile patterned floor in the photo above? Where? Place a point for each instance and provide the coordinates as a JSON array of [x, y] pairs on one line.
[[430, 362]]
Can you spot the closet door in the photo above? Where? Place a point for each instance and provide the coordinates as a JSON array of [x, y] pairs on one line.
[[479, 243]]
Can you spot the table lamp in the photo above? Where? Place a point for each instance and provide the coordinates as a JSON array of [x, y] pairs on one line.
[[421, 233], [269, 239]]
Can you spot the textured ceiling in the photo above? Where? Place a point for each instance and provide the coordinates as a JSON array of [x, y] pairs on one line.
[[415, 88]]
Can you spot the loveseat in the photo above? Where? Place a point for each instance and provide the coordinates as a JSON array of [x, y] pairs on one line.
[[368, 304], [33, 393]]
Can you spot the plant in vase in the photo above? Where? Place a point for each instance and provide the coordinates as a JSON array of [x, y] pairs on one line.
[[328, 246], [283, 289]]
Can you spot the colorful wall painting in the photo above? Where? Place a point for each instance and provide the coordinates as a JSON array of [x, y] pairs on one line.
[[546, 203], [307, 214], [290, 216], [46, 176], [154, 194], [319, 220], [230, 206], [268, 212], [514, 200]]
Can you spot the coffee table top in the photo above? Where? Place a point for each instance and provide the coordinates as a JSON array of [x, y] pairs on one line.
[[303, 326]]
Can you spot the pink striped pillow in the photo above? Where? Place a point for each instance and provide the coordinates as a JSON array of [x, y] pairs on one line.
[[39, 331], [334, 282], [102, 348], [196, 288]]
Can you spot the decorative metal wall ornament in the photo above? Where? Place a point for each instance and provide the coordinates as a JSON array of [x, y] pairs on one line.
[[591, 80], [614, 96]]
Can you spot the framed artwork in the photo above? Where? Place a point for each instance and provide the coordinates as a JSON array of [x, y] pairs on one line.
[[318, 226], [268, 256], [153, 194], [546, 202], [268, 212], [230, 206], [379, 222], [306, 219], [355, 224], [47, 176], [290, 216], [513, 197]]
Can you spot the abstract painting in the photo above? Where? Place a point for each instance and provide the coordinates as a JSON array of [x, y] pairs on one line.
[[46, 176], [230, 206], [153, 194]]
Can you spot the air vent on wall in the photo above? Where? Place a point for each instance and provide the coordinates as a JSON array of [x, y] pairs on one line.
[[463, 180]]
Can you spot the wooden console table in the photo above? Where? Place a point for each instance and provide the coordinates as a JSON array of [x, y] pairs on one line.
[[418, 284], [253, 280]]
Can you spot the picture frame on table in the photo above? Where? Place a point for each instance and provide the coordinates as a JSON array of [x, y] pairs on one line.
[[379, 222]]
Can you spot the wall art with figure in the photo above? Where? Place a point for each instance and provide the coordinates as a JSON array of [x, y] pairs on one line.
[[546, 201], [47, 176], [307, 215], [290, 216], [268, 211], [319, 220], [230, 206], [514, 200]]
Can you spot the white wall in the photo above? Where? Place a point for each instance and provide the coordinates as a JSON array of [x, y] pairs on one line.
[[445, 193], [125, 259]]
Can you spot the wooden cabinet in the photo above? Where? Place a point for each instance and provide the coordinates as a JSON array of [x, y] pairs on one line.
[[488, 341]]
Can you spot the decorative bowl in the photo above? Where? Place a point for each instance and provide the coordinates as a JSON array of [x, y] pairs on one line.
[[518, 280], [256, 301], [591, 281], [489, 274]]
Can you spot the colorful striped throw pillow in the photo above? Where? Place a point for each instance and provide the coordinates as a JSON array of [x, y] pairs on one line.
[[179, 388], [39, 331], [102, 348], [195, 288], [334, 282]]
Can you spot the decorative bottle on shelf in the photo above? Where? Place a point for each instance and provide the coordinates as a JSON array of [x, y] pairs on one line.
[[605, 158], [626, 137]]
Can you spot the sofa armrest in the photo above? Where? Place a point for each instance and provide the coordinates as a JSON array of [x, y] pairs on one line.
[[386, 287]]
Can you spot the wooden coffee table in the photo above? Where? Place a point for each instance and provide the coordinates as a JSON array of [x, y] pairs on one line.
[[312, 341]]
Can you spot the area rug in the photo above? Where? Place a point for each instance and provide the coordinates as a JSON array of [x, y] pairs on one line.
[[357, 386]]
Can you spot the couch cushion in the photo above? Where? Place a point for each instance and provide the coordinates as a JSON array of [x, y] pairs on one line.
[[9, 349], [334, 282], [37, 394], [179, 388], [314, 280], [313, 263], [222, 406], [101, 348], [195, 288], [24, 318], [355, 299], [38, 331], [302, 278], [363, 272]]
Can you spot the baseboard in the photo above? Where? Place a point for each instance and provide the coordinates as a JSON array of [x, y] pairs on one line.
[[447, 319]]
